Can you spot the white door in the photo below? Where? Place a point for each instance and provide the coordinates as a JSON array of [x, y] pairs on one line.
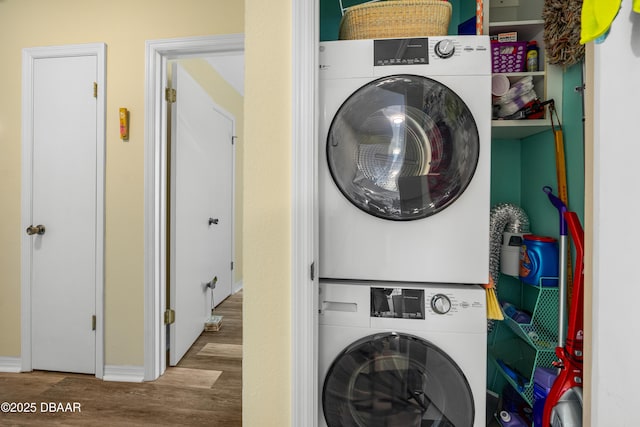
[[201, 210], [63, 213]]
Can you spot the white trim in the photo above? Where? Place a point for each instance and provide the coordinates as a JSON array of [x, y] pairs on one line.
[[158, 52], [10, 364], [304, 318], [99, 50], [124, 373]]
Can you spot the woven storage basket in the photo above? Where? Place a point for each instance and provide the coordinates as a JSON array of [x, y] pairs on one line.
[[396, 18]]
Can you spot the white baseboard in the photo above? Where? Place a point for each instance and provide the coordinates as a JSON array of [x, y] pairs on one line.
[[10, 364], [122, 373], [236, 287]]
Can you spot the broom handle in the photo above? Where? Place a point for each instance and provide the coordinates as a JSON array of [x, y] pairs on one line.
[[561, 172]]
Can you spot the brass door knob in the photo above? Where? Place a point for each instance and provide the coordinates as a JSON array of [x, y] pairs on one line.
[[37, 229]]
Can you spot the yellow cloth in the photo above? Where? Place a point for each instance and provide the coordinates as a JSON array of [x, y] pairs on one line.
[[597, 17]]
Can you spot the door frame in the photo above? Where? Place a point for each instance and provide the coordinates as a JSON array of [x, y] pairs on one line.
[[29, 55], [305, 39], [157, 54]]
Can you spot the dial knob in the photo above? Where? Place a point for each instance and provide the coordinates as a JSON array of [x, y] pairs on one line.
[[445, 48], [441, 304]]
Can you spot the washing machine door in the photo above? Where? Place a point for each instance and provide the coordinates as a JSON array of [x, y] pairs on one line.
[[396, 380], [403, 147]]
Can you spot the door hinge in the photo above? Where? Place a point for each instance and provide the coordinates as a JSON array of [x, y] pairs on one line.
[[169, 316], [170, 95], [93, 322], [232, 265], [313, 271], [95, 89], [233, 139]]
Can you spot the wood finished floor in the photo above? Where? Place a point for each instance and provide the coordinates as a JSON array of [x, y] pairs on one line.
[[205, 389]]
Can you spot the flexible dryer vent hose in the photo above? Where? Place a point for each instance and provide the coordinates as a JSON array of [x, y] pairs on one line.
[[504, 217]]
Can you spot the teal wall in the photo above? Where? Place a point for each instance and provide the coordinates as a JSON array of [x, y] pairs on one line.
[[506, 179], [520, 168], [329, 19], [538, 165]]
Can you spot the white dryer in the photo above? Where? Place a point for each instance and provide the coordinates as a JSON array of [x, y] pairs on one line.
[[396, 354], [404, 159]]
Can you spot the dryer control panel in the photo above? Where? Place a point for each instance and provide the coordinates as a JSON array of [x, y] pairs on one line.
[[401, 51], [450, 55]]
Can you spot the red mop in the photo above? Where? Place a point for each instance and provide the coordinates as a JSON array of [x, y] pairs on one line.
[[563, 405]]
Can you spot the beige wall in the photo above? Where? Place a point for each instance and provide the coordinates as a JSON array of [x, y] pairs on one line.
[[267, 220], [124, 26]]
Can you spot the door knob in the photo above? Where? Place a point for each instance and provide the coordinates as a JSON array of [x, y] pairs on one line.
[[38, 229], [213, 221]]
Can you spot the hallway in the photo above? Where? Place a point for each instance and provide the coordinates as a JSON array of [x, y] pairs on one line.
[[204, 389]]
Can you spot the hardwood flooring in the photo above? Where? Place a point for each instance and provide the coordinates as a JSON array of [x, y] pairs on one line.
[[205, 389]]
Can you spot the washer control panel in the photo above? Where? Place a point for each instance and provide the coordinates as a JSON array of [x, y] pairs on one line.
[[406, 307]]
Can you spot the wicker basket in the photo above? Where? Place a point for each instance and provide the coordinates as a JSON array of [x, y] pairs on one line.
[[396, 18]]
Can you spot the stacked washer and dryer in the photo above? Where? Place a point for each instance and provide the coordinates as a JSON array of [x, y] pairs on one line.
[[404, 181]]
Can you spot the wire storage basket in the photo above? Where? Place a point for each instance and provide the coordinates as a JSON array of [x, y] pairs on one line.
[[396, 18]]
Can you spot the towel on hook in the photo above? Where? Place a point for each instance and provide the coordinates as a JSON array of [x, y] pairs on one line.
[[597, 17]]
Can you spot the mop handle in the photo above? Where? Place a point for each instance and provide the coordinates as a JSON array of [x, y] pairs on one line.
[[562, 264], [559, 204]]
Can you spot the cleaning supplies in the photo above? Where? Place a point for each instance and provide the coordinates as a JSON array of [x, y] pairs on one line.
[[532, 56], [511, 419], [510, 253], [513, 312], [543, 379], [519, 94], [539, 260]]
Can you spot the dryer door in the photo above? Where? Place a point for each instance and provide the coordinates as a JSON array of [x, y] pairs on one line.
[[403, 147], [394, 379]]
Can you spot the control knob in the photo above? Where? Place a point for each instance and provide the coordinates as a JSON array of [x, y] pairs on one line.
[[445, 48], [441, 304]]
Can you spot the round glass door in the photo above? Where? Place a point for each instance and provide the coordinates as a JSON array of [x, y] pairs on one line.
[[394, 379], [403, 147]]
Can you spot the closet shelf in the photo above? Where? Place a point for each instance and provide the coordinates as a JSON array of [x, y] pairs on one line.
[[542, 333], [518, 129]]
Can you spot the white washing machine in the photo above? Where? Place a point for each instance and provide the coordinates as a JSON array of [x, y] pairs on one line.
[[404, 159], [406, 355]]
